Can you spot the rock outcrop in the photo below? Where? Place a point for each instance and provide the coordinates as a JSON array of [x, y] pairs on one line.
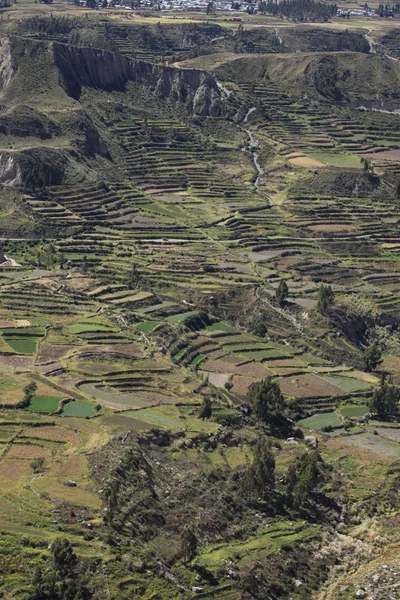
[[40, 88], [86, 67]]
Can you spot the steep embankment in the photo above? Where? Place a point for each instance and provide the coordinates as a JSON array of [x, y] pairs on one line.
[[40, 88], [345, 77], [80, 67]]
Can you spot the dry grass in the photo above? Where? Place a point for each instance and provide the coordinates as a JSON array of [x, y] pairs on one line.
[[56, 434], [12, 469], [52, 352], [331, 227], [241, 383], [27, 451], [308, 386], [306, 162]]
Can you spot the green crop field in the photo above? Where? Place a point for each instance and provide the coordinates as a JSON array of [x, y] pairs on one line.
[[347, 384], [147, 325], [354, 410], [336, 160], [78, 409], [22, 345], [221, 326], [320, 421], [43, 404], [180, 318]]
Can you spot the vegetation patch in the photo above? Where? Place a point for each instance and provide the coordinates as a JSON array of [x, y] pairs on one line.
[[321, 421], [147, 325], [354, 410], [44, 404], [78, 409]]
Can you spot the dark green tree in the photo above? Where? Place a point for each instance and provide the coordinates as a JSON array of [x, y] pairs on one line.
[[133, 278], [372, 357], [188, 544], [303, 477], [267, 399], [385, 400], [64, 558], [60, 579], [205, 408], [84, 264], [326, 298], [282, 292], [259, 479]]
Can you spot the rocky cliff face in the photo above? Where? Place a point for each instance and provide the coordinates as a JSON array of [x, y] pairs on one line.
[[80, 67], [6, 66], [38, 78], [10, 170]]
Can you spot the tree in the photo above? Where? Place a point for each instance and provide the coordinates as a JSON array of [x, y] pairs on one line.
[[60, 579], [326, 298], [133, 278], [302, 478], [256, 322], [366, 164], [64, 558], [188, 544], [267, 400], [259, 479], [37, 464], [385, 400], [372, 357], [84, 264], [205, 409], [282, 292]]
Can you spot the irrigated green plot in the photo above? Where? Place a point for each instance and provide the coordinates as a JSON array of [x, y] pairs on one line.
[[320, 421], [23, 345], [181, 317], [197, 360], [337, 160], [221, 326], [78, 409], [88, 327], [161, 417], [43, 404], [109, 396], [347, 384], [147, 325], [24, 340], [354, 410]]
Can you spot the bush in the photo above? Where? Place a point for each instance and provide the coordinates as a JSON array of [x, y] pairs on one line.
[[37, 464]]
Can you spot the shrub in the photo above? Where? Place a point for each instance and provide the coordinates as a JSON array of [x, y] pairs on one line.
[[37, 464]]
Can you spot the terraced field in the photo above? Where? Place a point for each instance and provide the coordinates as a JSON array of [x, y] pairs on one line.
[[168, 232]]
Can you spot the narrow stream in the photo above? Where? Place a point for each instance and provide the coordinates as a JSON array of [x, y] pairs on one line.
[[252, 146]]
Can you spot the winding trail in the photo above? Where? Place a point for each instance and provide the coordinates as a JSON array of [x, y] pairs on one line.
[[372, 45]]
